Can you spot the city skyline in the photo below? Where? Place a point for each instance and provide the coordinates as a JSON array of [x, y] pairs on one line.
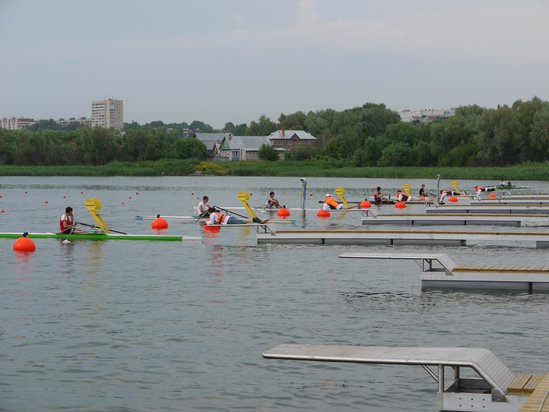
[[221, 62]]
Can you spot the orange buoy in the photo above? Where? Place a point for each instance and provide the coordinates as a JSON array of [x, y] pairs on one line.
[[159, 223], [492, 195], [24, 244], [323, 214], [283, 212], [365, 204], [400, 205], [452, 199], [212, 229]]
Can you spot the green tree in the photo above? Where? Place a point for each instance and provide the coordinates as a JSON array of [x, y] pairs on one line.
[[397, 154], [96, 146], [267, 152], [263, 127], [189, 148], [236, 130], [294, 121], [302, 153]]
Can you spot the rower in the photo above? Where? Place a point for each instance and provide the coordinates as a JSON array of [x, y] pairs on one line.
[[330, 203], [66, 223]]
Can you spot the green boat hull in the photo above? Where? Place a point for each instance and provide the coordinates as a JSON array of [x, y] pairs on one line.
[[94, 236]]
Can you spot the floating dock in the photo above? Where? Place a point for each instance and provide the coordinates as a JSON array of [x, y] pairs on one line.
[[491, 387], [400, 237], [454, 219], [507, 210], [512, 202], [439, 271]]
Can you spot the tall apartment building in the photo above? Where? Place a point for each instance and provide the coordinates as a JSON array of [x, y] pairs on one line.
[[108, 113]]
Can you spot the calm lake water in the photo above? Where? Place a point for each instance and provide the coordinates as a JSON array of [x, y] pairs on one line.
[[176, 326]]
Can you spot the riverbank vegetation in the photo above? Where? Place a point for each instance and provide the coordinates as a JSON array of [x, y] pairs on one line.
[[308, 168], [509, 142]]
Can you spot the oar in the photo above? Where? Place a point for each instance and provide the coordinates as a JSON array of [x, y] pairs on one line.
[[255, 219], [70, 233], [201, 216], [95, 227]]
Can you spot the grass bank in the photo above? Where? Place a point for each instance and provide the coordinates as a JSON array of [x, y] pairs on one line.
[[321, 168]]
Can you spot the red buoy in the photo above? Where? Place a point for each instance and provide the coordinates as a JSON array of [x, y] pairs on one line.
[[365, 204], [24, 244], [283, 212], [452, 199], [159, 223], [212, 229], [323, 214], [492, 195], [400, 205]]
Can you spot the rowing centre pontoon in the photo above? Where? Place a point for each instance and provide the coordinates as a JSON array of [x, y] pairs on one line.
[[538, 196], [468, 379], [507, 210], [454, 219], [439, 271], [512, 202], [400, 237]]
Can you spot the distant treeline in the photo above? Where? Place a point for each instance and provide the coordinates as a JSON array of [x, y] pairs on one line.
[[370, 135]]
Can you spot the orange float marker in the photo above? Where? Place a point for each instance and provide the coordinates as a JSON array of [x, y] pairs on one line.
[[323, 214], [283, 212], [24, 244], [159, 223]]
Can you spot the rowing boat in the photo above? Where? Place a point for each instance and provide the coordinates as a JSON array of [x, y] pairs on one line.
[[97, 236]]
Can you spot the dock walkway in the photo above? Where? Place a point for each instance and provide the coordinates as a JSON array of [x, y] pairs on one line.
[[400, 237], [493, 386]]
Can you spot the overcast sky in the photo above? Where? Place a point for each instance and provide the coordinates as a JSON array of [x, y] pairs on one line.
[[234, 60]]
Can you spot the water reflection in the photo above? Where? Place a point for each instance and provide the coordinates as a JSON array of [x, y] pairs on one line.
[[94, 257], [66, 252]]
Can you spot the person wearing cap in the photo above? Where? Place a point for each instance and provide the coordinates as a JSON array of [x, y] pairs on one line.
[[330, 203]]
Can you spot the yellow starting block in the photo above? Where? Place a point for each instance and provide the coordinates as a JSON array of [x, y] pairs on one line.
[[340, 191], [94, 206], [244, 197]]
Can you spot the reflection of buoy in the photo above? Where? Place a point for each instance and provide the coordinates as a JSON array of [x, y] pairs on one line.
[[283, 212], [212, 229], [492, 195], [400, 205], [159, 223], [24, 244], [323, 214], [452, 199], [365, 204]]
